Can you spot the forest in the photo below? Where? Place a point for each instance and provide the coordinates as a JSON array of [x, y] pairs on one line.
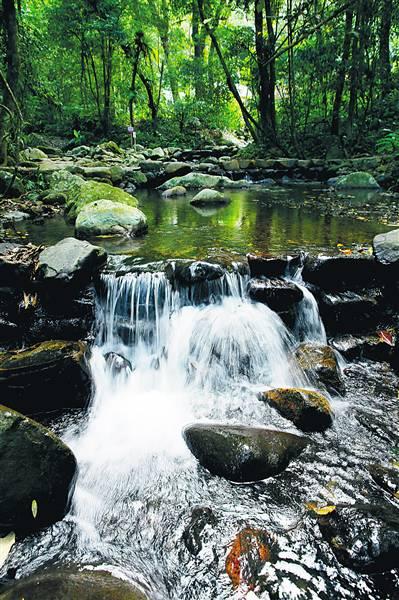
[[301, 78]]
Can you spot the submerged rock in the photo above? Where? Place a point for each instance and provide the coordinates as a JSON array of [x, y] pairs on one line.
[[197, 181], [363, 537], [48, 376], [357, 180], [195, 532], [320, 363], [307, 409], [117, 363], [105, 217], [240, 453], [68, 584], [280, 295], [37, 474], [71, 262], [208, 196], [387, 478]]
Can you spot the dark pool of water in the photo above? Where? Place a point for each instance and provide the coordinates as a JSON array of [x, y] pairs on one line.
[[257, 220]]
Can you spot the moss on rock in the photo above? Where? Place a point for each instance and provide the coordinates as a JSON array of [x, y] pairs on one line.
[[307, 409], [105, 217]]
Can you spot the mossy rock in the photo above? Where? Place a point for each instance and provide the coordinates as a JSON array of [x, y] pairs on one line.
[[111, 147], [51, 375], [110, 218], [308, 410], [179, 190], [53, 198], [37, 474], [357, 180], [92, 191], [240, 453], [198, 181], [68, 584], [321, 366], [209, 197]]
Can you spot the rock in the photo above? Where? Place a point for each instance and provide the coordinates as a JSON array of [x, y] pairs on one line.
[[198, 181], [272, 266], [240, 453], [231, 165], [307, 409], [35, 465], [177, 168], [10, 186], [47, 376], [179, 190], [105, 217], [278, 294], [117, 363], [80, 151], [195, 532], [65, 182], [13, 216], [386, 248], [208, 196], [341, 273], [188, 272], [350, 312], [33, 154], [93, 191], [320, 364], [249, 552], [111, 147], [17, 264], [68, 584], [70, 262], [357, 180], [363, 537], [360, 347], [156, 152], [387, 478], [54, 198]]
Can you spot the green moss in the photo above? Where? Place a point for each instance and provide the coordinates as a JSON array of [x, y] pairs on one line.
[[307, 409], [92, 191]]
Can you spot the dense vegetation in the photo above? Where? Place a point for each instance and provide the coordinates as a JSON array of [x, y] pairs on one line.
[[299, 77]]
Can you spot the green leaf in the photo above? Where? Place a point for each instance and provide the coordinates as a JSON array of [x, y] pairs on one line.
[[34, 508]]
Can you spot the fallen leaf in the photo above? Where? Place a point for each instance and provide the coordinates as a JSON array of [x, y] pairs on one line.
[[387, 337], [6, 543], [250, 550], [323, 510]]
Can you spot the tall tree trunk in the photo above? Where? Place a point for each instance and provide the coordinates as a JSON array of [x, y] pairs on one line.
[[199, 49], [385, 59], [107, 53], [342, 70], [152, 105], [11, 85], [271, 65]]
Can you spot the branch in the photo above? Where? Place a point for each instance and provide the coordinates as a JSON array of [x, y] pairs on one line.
[[11, 93]]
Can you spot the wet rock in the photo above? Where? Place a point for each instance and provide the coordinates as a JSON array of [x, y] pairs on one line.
[[320, 363], [307, 409], [387, 478], [17, 264], [249, 552], [48, 376], [176, 169], [341, 273], [272, 266], [54, 198], [105, 217], [68, 584], [240, 453], [198, 181], [117, 363], [94, 191], [351, 312], [357, 180], [179, 190], [363, 537], [359, 347], [386, 248], [278, 294], [202, 518], [37, 466], [70, 262], [188, 272], [209, 197]]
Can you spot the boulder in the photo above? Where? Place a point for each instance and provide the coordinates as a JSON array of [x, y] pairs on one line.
[[209, 197], [387, 478], [341, 273], [363, 537], [272, 266], [179, 190], [69, 584], [240, 453], [320, 364], [70, 262], [17, 264], [93, 191], [177, 168], [357, 180], [188, 272], [54, 198], [105, 217], [351, 312], [280, 295], [307, 409], [33, 154], [64, 182], [360, 347], [198, 181], [386, 248], [110, 147], [47, 376], [37, 474]]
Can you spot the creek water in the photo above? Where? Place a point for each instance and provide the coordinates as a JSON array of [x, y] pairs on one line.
[[202, 355]]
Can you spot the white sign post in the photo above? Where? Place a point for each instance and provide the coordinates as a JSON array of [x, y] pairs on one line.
[[133, 136]]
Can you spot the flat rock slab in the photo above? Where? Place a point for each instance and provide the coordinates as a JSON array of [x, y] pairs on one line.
[[386, 247]]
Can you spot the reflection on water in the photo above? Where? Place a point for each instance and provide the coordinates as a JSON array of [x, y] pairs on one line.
[[253, 221]]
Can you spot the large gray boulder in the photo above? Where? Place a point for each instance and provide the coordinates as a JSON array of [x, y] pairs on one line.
[[209, 197], [198, 181], [105, 217], [240, 453], [357, 180], [37, 474], [386, 247], [71, 261]]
